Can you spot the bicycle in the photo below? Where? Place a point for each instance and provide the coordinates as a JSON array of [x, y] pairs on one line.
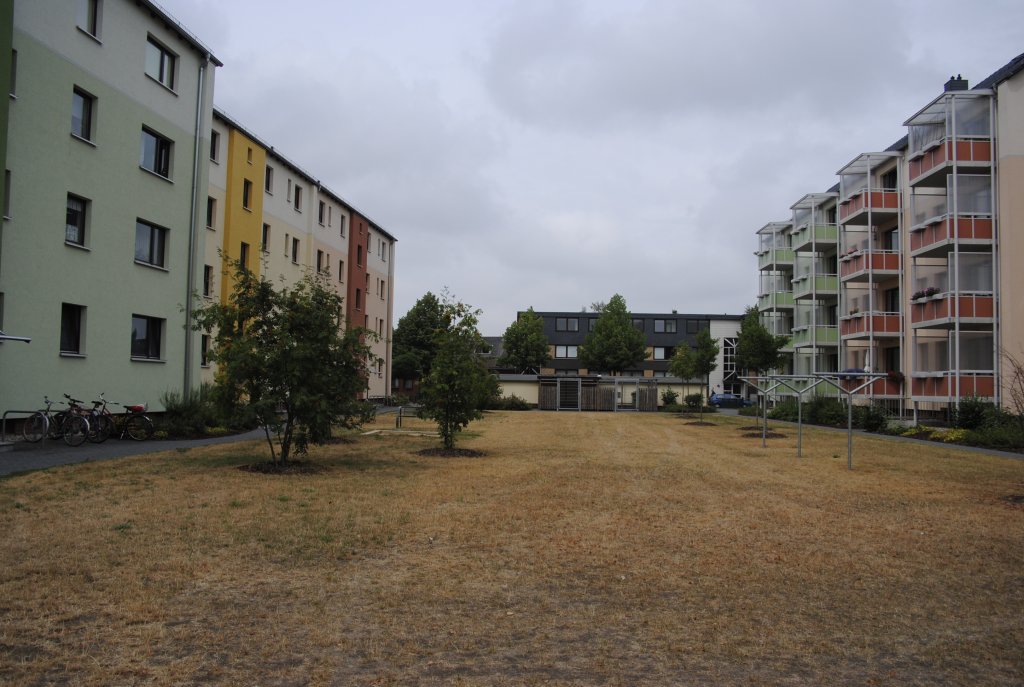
[[67, 424], [134, 423]]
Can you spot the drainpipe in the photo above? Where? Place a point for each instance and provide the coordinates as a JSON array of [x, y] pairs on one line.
[[191, 280]]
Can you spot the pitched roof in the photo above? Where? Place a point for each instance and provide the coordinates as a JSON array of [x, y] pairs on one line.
[[1003, 73]]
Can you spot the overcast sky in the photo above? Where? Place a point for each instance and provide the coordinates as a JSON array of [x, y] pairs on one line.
[[552, 153]]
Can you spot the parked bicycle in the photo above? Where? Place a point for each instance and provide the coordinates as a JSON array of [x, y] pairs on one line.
[[132, 423], [69, 424]]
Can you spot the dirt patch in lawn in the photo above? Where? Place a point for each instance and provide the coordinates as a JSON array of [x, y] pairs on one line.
[[451, 452]]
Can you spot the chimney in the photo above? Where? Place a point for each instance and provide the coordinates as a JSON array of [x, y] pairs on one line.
[[956, 83]]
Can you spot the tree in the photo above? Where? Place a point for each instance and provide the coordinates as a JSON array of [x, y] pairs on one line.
[[614, 344], [700, 362], [414, 342], [524, 343], [458, 385], [286, 355], [758, 349]]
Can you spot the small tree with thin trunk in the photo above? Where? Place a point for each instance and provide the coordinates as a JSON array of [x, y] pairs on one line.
[[757, 349], [454, 392], [286, 354]]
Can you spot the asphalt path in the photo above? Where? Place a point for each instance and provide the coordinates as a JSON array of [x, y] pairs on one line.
[[50, 453]]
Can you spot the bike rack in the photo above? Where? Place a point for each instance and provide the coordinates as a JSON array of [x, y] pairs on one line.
[[3, 431]]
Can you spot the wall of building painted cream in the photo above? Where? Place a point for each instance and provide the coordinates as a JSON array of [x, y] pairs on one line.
[[1010, 150]]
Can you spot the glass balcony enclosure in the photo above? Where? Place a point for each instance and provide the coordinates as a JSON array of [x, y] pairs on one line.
[[954, 130]]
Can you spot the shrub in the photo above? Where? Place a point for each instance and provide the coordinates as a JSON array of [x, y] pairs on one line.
[[669, 397], [750, 411], [189, 413], [512, 402], [871, 418], [823, 410], [1007, 437], [693, 401], [973, 413], [786, 410], [671, 408]]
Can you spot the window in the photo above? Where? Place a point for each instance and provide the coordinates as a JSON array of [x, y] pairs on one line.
[[214, 146], [246, 194], [384, 252], [341, 225], [298, 198], [359, 299], [243, 254], [889, 180], [592, 323], [383, 286], [82, 106], [156, 153], [319, 261], [211, 212], [359, 256], [248, 155], [72, 317], [664, 326], [146, 335], [295, 251], [330, 215], [265, 240], [149, 243], [692, 326], [207, 280], [341, 270], [288, 196], [160, 63], [663, 352], [321, 212], [565, 351], [638, 324], [74, 232], [204, 350], [268, 180], [88, 17], [567, 324]]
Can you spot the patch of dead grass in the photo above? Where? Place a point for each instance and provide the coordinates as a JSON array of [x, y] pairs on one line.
[[613, 549]]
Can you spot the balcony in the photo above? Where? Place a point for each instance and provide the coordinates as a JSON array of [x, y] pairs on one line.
[[942, 385], [865, 325], [940, 311], [862, 264], [775, 259], [878, 204], [778, 300], [821, 287], [937, 237], [819, 236], [883, 387], [815, 336], [930, 166]]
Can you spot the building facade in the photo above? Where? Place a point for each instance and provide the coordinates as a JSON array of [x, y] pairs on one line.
[[108, 117], [911, 270]]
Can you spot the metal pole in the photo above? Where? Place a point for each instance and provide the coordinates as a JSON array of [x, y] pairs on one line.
[[849, 431]]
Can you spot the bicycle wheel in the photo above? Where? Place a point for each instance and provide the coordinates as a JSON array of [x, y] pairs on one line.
[[138, 427], [76, 429], [55, 429], [100, 428], [35, 427]]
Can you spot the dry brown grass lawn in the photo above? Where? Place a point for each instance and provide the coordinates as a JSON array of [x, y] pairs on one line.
[[584, 549]]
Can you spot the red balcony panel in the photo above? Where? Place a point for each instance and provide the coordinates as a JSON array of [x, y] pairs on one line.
[[967, 150], [967, 229], [864, 324], [882, 386], [971, 306], [863, 261], [876, 200], [983, 385]]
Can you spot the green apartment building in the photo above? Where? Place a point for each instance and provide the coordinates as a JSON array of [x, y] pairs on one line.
[[106, 175]]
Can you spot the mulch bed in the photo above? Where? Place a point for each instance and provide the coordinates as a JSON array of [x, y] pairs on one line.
[[699, 423], [750, 428], [451, 452], [290, 467], [768, 435]]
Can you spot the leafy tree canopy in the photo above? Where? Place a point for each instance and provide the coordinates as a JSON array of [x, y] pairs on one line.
[[524, 343], [700, 361], [757, 349], [287, 355], [414, 342], [614, 344]]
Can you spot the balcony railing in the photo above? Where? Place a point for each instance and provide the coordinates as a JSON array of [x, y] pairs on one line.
[[815, 336], [938, 236], [883, 386], [821, 286], [858, 265], [928, 166], [975, 311], [821, 236], [854, 210], [942, 385], [777, 299], [775, 259], [864, 325]]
